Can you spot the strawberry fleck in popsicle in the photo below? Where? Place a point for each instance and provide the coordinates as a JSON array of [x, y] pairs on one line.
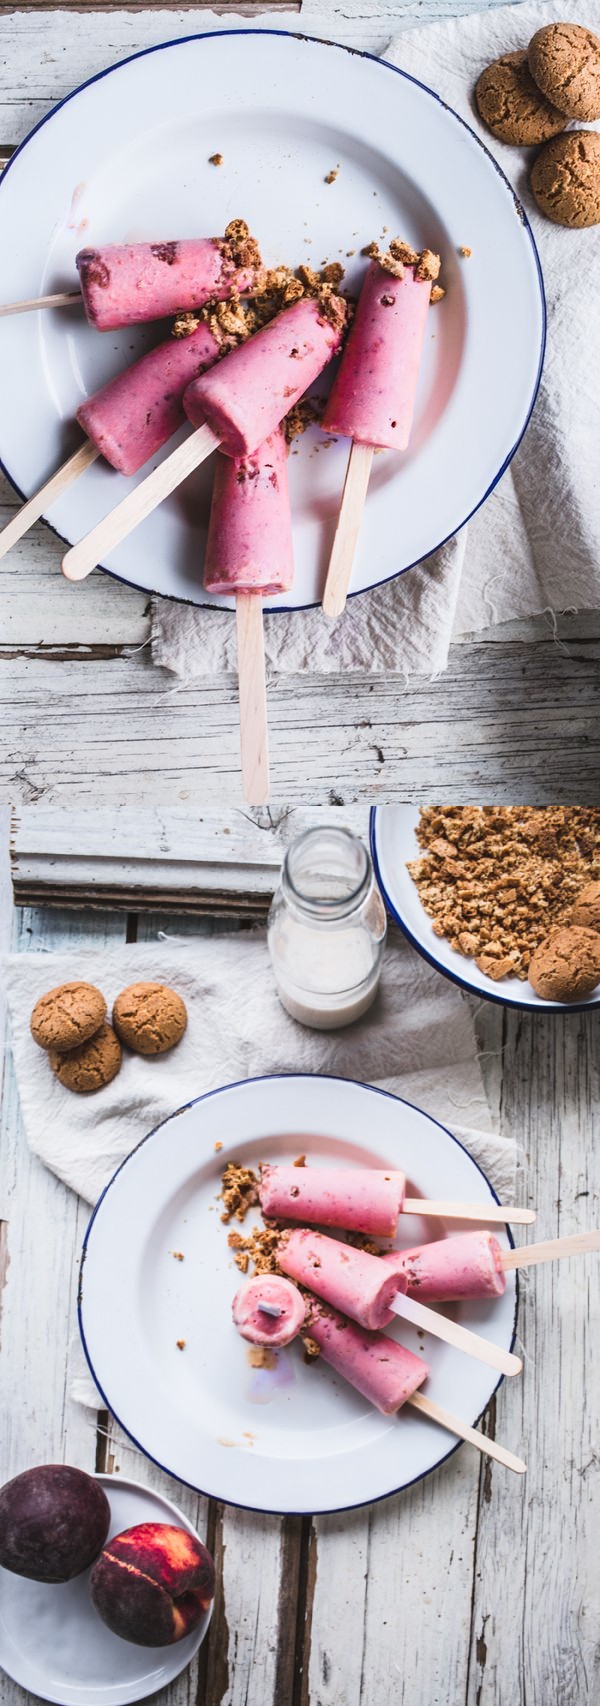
[[382, 1370], [125, 283], [448, 1270], [373, 396], [261, 381], [249, 545], [351, 1280], [359, 1199], [252, 1306]]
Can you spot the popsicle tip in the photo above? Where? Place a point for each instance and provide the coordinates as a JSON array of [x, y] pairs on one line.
[[73, 570]]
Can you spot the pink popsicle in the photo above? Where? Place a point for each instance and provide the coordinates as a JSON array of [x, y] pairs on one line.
[[133, 415], [351, 1280], [125, 283], [467, 1265], [385, 1373], [258, 383], [249, 546], [359, 1199], [373, 395], [255, 1323]]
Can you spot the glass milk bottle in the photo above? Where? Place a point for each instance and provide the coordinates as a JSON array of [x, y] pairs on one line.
[[327, 929]]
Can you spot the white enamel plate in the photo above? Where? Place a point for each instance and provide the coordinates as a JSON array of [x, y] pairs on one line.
[[54, 1644], [393, 842], [126, 157], [295, 1437]]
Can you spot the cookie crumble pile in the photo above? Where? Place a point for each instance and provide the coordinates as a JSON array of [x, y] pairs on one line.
[[496, 880]]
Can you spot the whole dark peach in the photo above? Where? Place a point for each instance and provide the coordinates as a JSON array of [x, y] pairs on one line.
[[53, 1523], [152, 1584]]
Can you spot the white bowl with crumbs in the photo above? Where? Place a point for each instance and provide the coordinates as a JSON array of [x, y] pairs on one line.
[[395, 846]]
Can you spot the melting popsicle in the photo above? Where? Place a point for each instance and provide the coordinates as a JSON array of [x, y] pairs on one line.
[[123, 284], [373, 395], [386, 1374], [473, 1264], [249, 553], [362, 1199], [128, 420], [372, 1291], [268, 1310]]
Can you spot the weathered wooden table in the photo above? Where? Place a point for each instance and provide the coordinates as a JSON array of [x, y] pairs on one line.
[[474, 1588], [84, 717]]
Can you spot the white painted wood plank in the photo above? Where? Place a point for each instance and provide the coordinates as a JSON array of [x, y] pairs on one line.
[[218, 865], [77, 732], [535, 1634], [392, 1595], [41, 609], [45, 54]]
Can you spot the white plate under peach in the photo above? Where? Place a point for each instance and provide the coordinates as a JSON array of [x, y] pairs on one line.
[[54, 1644]]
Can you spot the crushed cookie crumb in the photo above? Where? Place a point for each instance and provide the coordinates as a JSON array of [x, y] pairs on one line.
[[311, 1349], [218, 1146], [215, 159], [437, 294], [261, 1356], [399, 255], [178, 1254], [332, 175], [180, 1344], [260, 1247], [238, 247], [463, 250], [184, 325], [239, 1191], [304, 414], [511, 879], [300, 1161]]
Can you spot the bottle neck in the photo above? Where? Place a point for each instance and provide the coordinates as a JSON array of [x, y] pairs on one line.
[[326, 875]]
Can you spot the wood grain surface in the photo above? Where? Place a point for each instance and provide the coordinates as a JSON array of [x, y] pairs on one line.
[[470, 1589]]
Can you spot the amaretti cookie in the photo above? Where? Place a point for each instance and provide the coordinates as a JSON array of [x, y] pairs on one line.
[[512, 106], [564, 60], [149, 1017], [565, 179], [90, 1066], [67, 1015], [566, 967]]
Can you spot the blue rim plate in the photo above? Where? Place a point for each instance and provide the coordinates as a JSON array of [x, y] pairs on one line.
[[393, 841], [282, 109], [294, 1439]]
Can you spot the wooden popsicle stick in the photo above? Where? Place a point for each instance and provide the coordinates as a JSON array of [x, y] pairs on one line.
[[442, 1328], [492, 1212], [454, 1425], [354, 496], [138, 504], [552, 1250], [41, 500], [254, 733], [61, 299]]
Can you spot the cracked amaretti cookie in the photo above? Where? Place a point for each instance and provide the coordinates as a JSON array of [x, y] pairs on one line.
[[512, 106], [149, 1017], [564, 59], [565, 179], [90, 1066], [67, 1015]]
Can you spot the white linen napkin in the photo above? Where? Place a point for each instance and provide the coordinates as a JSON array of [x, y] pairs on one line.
[[535, 545], [417, 1041]]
